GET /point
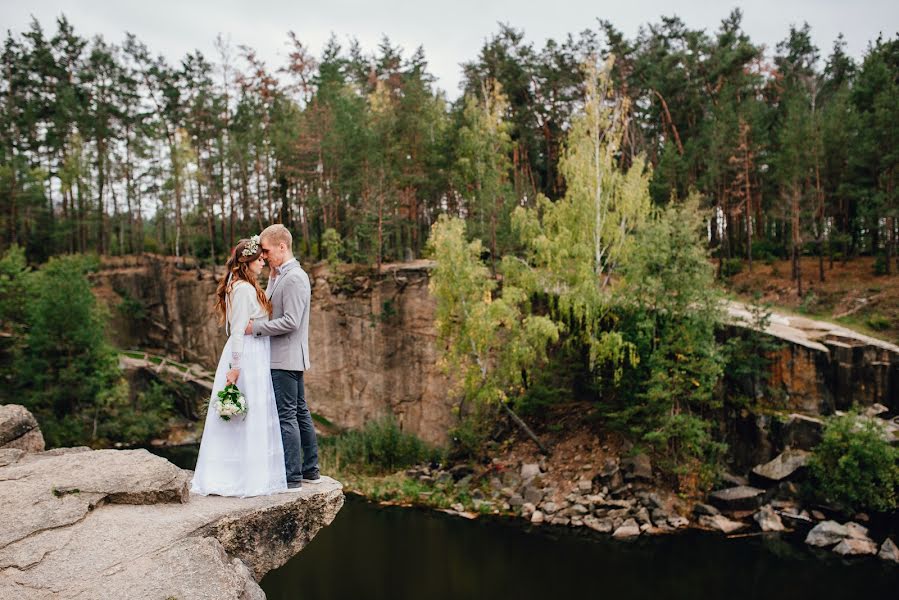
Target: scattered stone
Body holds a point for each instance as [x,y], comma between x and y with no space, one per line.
[742,497]
[789,463]
[645,527]
[600,525]
[818,515]
[579,509]
[443,478]
[637,467]
[511,479]
[537,518]
[613,503]
[826,533]
[659,516]
[678,522]
[529,471]
[459,472]
[516,501]
[863,517]
[527,509]
[585,485]
[733,480]
[768,520]
[855,547]
[642,516]
[495,483]
[557,520]
[464,482]
[889,551]
[705,509]
[875,410]
[577,522]
[550,507]
[857,531]
[532,494]
[477,495]
[628,529]
[719,523]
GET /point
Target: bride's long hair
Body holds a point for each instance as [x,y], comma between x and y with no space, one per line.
[238,269]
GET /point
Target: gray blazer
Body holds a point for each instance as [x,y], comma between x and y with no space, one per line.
[289,326]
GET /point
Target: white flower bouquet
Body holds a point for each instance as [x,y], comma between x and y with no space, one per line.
[231,402]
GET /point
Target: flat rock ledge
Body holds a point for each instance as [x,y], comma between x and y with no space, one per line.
[81,523]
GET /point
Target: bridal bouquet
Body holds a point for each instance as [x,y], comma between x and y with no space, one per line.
[230,402]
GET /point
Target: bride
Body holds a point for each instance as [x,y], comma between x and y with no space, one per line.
[242,456]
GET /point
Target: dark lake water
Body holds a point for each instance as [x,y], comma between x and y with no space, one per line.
[399,553]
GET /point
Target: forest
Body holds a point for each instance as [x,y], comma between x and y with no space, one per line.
[108,148]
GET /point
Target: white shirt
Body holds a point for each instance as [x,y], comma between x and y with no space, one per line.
[242,306]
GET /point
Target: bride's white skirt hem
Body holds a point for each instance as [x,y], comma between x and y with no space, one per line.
[243,457]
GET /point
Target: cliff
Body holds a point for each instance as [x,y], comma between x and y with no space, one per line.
[374,346]
[81,523]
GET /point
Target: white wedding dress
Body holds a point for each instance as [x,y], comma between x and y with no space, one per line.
[244,456]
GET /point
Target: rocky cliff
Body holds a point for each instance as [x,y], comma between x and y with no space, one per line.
[81,523]
[374,344]
[372,336]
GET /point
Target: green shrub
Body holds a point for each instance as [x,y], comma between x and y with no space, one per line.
[379,447]
[855,466]
[731,267]
[878,322]
[880,265]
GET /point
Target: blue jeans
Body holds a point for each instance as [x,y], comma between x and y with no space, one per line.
[296,425]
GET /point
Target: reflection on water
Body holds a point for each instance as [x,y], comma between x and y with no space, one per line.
[396,553]
[376,552]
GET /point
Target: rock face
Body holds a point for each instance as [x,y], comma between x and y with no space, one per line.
[120,524]
[19,429]
[372,338]
[373,342]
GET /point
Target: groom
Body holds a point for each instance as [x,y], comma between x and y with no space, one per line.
[289,290]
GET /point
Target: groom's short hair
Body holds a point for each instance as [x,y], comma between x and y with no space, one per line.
[277,233]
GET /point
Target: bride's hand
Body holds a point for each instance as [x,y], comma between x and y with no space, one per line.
[232,375]
[249,329]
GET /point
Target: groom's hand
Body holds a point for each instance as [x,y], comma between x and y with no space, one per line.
[232,375]
[249,329]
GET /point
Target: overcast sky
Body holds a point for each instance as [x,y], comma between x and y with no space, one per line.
[451,32]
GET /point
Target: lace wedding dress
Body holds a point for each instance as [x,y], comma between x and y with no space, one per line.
[244,456]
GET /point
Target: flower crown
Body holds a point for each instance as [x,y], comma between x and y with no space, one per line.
[252,248]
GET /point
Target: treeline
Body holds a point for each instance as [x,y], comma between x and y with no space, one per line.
[110,148]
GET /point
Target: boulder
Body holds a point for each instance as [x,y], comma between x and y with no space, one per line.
[529,471]
[859,532]
[889,551]
[19,429]
[826,533]
[768,520]
[533,494]
[537,518]
[628,529]
[678,522]
[855,547]
[742,497]
[789,463]
[637,467]
[600,525]
[705,509]
[720,523]
[118,524]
